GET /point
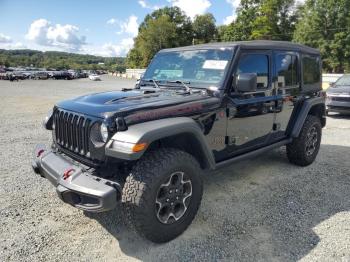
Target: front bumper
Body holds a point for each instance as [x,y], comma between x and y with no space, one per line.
[333,105]
[74,185]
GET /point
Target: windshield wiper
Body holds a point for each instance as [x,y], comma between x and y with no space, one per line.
[184,84]
[155,82]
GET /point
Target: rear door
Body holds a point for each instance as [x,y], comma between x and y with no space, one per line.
[287,85]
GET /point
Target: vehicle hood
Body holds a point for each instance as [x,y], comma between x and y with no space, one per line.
[139,106]
[341,90]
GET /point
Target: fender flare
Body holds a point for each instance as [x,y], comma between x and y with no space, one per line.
[151,131]
[303,113]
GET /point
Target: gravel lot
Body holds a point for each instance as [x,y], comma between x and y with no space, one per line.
[262,209]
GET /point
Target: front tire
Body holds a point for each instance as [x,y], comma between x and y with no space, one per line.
[304,149]
[163,193]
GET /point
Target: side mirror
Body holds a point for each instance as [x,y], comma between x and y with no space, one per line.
[246,82]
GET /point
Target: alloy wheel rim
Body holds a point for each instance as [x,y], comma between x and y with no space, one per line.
[173,198]
[311,141]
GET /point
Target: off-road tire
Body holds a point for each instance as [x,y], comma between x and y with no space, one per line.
[141,189]
[297,150]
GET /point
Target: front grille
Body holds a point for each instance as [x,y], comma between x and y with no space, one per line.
[72,132]
[340,98]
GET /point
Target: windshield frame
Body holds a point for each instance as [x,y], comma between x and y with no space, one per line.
[193,84]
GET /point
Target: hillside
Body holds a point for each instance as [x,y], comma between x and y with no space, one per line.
[59,60]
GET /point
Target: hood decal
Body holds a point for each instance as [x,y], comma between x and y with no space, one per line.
[142,107]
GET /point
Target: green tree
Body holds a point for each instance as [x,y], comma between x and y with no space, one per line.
[183,23]
[164,28]
[204,28]
[241,28]
[275,20]
[262,19]
[325,24]
[160,33]
[57,60]
[134,58]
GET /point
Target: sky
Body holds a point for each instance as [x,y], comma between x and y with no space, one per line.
[105,27]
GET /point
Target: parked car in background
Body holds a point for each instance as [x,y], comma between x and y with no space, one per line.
[338,96]
[62,75]
[17,76]
[82,75]
[94,77]
[28,75]
[3,76]
[40,76]
[51,73]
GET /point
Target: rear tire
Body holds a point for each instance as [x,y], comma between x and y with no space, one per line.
[304,149]
[152,206]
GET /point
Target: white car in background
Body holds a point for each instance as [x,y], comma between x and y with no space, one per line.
[94,77]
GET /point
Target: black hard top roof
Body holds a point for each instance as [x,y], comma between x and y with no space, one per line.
[258,44]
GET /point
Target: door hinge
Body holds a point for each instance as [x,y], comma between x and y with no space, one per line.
[231,111]
[230,140]
[276,126]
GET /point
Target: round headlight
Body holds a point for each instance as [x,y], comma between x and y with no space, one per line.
[48,123]
[104,132]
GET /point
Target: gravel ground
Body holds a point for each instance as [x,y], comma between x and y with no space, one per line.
[262,209]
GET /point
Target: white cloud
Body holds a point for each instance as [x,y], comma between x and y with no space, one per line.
[5,38]
[229,19]
[145,5]
[109,49]
[192,7]
[17,45]
[112,21]
[118,49]
[129,26]
[66,37]
[234,4]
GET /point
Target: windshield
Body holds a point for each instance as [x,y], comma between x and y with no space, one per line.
[199,68]
[343,81]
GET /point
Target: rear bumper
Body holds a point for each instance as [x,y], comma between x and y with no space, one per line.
[74,185]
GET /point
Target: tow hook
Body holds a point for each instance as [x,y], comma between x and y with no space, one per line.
[68,173]
[40,152]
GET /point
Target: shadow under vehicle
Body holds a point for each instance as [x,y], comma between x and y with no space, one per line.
[196,109]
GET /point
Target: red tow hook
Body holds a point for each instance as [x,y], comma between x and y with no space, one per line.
[40,152]
[68,173]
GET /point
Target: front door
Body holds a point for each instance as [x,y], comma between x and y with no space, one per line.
[251,114]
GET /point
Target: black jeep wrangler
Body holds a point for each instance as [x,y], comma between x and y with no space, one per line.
[196,109]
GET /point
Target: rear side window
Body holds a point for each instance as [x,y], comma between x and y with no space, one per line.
[287,70]
[311,70]
[255,63]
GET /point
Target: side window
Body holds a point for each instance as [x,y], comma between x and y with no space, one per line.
[255,63]
[287,70]
[311,70]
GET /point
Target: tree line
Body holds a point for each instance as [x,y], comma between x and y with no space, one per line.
[60,60]
[322,24]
